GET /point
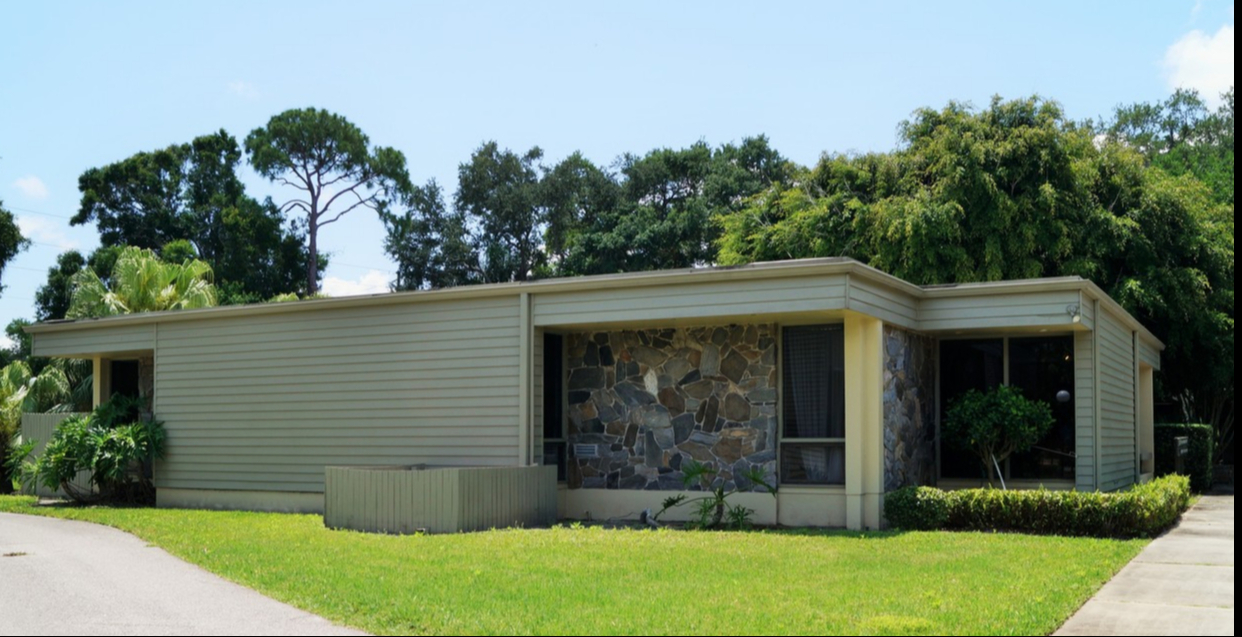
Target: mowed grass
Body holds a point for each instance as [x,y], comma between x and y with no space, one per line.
[636,582]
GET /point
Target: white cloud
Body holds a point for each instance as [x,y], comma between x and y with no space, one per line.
[45,231]
[32,187]
[6,342]
[373,282]
[244,90]
[1202,62]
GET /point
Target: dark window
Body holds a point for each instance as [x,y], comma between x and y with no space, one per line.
[813,397]
[125,378]
[966,365]
[1043,368]
[553,403]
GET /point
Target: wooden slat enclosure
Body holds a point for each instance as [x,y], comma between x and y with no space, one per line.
[406,499]
[40,427]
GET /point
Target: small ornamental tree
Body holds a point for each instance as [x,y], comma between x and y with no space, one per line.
[996,424]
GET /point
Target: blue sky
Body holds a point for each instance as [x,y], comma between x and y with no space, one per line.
[83,84]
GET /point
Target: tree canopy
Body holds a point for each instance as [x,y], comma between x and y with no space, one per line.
[332,162]
[1182,136]
[11,240]
[430,243]
[191,193]
[515,218]
[141,282]
[52,298]
[1017,190]
[661,215]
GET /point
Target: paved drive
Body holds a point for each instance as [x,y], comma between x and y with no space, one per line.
[59,577]
[1181,584]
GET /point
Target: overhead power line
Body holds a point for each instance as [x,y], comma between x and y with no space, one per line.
[38,212]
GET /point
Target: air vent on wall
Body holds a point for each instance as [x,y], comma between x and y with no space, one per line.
[586,451]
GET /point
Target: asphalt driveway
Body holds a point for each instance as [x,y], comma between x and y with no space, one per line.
[61,577]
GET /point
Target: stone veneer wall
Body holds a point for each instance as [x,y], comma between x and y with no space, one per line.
[648,401]
[146,380]
[909,409]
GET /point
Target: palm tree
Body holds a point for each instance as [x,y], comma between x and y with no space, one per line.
[22,391]
[141,282]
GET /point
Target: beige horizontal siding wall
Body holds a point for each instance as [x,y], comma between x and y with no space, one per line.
[1004,311]
[894,307]
[1118,426]
[1086,308]
[1084,411]
[90,341]
[1148,354]
[699,302]
[40,428]
[266,402]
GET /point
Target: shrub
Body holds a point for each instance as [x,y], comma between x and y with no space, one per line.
[115,452]
[996,424]
[1198,461]
[917,508]
[712,511]
[1142,511]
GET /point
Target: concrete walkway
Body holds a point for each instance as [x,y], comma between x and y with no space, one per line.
[60,577]
[1181,584]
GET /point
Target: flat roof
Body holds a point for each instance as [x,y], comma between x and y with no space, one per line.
[763,270]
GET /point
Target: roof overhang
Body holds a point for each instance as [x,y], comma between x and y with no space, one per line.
[755,271]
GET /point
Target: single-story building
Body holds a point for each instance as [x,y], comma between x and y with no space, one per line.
[828,375]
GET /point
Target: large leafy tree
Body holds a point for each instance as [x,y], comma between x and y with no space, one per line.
[11,240]
[578,196]
[662,222]
[334,165]
[499,191]
[1017,190]
[668,199]
[141,282]
[430,243]
[19,342]
[513,219]
[191,192]
[52,298]
[1182,136]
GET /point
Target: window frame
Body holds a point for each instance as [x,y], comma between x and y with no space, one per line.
[782,441]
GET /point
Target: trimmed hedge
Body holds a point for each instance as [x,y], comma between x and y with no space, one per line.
[1142,511]
[917,508]
[1198,461]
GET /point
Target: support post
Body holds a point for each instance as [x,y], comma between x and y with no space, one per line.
[864,426]
[101,380]
[526,386]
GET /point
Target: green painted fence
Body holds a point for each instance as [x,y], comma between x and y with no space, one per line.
[438,500]
[40,427]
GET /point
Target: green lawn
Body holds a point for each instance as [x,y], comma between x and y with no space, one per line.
[631,582]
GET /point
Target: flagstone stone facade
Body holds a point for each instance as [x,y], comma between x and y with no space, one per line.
[644,403]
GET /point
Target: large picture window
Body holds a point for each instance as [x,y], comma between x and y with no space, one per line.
[977,364]
[1043,368]
[812,447]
